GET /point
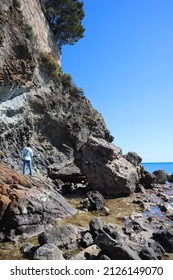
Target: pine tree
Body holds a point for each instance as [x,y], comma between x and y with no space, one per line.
[65,20]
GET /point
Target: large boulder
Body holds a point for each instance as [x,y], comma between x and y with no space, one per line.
[105,168]
[148,180]
[110,242]
[48,252]
[165,238]
[133,157]
[66,172]
[27,206]
[161,176]
[64,237]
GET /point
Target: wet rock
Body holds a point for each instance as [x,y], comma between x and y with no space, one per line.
[163,196]
[105,168]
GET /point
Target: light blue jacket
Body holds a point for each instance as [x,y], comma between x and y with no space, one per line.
[27,153]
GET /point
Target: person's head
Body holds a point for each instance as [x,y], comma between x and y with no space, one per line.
[28,145]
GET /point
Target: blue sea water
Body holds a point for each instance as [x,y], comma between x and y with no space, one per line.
[152,166]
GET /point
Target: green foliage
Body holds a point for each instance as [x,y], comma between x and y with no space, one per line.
[29,31]
[65,20]
[16,4]
[67,82]
[51,63]
[55,71]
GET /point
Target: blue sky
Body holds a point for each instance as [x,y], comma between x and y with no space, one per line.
[124,64]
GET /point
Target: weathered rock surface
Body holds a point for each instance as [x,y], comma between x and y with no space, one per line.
[67,172]
[105,168]
[133,157]
[165,238]
[63,237]
[48,252]
[49,113]
[148,180]
[27,206]
[161,176]
[116,245]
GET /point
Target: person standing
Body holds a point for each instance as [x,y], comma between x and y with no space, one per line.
[27,155]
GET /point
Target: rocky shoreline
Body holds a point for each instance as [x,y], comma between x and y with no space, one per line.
[128,213]
[43,208]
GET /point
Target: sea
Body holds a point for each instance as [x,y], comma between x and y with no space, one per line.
[153,166]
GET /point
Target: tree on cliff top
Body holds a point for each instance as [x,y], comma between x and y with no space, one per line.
[65,20]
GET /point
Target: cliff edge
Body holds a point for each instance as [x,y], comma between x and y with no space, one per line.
[51,113]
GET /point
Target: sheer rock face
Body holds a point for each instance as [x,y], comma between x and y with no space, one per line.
[28,206]
[43,37]
[33,106]
[105,168]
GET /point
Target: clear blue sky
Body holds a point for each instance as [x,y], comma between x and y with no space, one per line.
[125,66]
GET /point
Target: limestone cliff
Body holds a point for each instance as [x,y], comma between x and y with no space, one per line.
[50,113]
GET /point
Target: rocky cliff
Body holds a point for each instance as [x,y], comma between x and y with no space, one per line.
[50,113]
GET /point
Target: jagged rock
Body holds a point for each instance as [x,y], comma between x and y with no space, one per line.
[165,238]
[148,180]
[130,226]
[161,176]
[105,168]
[67,172]
[116,250]
[87,239]
[110,242]
[133,158]
[97,201]
[89,253]
[95,226]
[152,251]
[64,237]
[147,254]
[26,206]
[140,188]
[170,178]
[48,252]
